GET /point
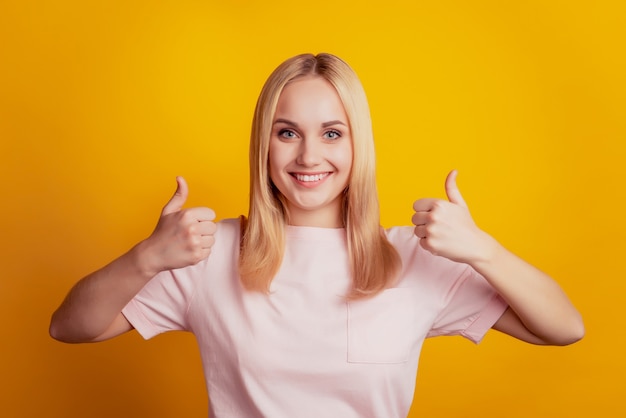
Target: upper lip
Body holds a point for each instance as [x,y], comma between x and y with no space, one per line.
[310,173]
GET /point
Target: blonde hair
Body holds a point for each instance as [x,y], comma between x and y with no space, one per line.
[374,261]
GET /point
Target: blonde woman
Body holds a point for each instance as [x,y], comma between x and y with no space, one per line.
[307,307]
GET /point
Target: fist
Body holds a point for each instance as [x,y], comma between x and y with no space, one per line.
[182,237]
[446,228]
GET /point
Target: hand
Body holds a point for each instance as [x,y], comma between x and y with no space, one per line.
[182,237]
[446,228]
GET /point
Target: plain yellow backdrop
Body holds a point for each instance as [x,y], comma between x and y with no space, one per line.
[102,104]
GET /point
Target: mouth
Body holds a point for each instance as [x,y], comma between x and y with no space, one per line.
[310,178]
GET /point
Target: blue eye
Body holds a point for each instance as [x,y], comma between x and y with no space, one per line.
[286,133]
[332,135]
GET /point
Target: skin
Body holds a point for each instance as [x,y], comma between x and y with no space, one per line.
[92,310]
[311,137]
[311,141]
[539,311]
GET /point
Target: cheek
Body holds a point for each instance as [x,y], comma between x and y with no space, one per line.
[275,162]
[344,158]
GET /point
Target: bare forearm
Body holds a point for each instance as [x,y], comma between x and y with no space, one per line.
[94,302]
[539,311]
[538,301]
[92,309]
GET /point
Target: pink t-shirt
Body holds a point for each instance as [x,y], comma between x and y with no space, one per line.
[302,350]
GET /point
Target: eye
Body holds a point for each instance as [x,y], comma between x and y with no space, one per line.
[332,135]
[287,134]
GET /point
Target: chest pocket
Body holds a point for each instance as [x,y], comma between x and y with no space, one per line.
[383,329]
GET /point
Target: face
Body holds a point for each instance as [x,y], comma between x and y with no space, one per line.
[310,155]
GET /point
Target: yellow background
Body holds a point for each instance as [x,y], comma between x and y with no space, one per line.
[102,104]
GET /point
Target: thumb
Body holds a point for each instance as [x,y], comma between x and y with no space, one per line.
[178,200]
[452,190]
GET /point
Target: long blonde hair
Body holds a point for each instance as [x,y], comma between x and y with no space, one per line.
[374,261]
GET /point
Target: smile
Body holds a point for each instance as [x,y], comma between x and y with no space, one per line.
[310,177]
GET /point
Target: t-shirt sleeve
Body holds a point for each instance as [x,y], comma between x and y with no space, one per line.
[163,303]
[461,301]
[471,308]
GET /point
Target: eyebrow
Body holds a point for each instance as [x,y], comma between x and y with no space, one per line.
[295,125]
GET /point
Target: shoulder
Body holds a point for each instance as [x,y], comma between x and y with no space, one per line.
[418,261]
[228,229]
[227,235]
[406,243]
[229,226]
[401,235]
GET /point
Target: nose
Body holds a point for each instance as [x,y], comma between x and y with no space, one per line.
[309,153]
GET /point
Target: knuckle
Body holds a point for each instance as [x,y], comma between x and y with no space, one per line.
[186,215]
[439,204]
[197,256]
[192,230]
[194,242]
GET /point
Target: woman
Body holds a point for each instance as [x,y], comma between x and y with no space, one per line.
[308,307]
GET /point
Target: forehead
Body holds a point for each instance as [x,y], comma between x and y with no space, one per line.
[311,96]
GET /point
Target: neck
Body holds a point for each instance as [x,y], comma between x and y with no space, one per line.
[328,217]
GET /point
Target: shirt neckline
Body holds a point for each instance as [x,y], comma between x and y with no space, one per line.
[315,233]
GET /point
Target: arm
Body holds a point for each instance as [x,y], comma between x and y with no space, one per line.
[539,311]
[92,309]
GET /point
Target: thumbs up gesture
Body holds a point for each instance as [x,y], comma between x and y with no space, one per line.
[446,228]
[182,237]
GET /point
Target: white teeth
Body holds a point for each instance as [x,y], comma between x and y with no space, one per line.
[313,177]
